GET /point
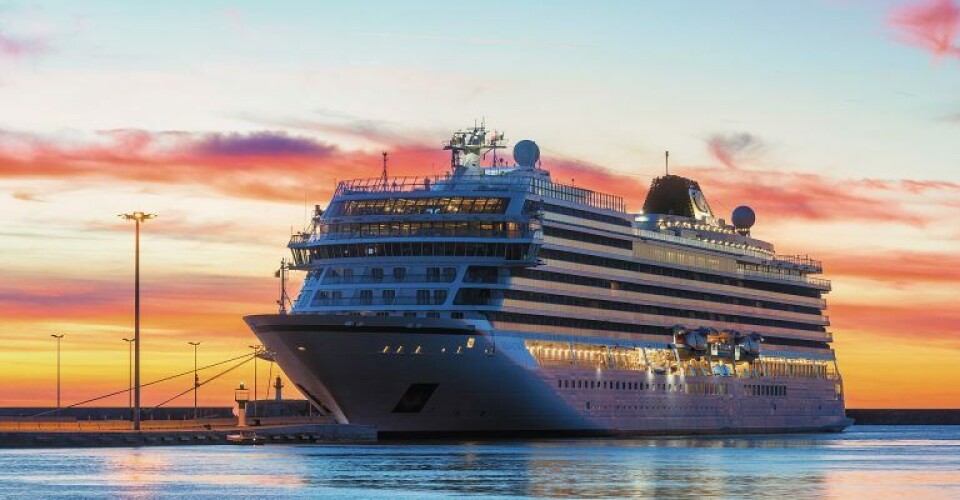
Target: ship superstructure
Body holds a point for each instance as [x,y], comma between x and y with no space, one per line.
[495,300]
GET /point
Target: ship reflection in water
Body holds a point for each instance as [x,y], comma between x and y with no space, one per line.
[869,462]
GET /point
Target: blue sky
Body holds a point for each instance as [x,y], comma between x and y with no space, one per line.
[824,84]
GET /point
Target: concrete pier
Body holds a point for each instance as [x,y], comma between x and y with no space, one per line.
[305,433]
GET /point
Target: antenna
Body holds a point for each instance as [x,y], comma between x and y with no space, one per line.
[383,176]
[666,161]
[284,298]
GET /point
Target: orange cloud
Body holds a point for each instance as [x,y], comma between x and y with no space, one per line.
[25,196]
[931,323]
[167,296]
[901,267]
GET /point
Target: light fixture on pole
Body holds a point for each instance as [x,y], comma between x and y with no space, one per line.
[257,349]
[196,378]
[138,217]
[58,337]
[129,373]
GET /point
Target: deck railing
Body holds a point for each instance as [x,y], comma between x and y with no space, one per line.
[459,183]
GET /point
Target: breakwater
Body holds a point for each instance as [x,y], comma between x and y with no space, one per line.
[904,417]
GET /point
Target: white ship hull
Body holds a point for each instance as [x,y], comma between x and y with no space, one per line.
[492,386]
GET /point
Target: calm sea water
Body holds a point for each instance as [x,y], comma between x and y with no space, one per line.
[865,462]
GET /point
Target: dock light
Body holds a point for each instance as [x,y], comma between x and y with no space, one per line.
[241,395]
[138,218]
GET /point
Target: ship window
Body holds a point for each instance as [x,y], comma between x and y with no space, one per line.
[409,314]
[439,296]
[449,274]
[456,315]
[389,296]
[320,298]
[481,274]
[366,297]
[376,273]
[433,274]
[423,297]
[348,275]
[399,273]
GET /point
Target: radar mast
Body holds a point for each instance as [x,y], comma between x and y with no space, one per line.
[467,146]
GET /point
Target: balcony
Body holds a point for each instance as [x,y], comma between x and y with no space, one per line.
[388,278]
[802,262]
[300,239]
[377,302]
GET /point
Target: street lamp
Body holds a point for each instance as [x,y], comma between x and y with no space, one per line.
[256,353]
[196,378]
[129,373]
[138,217]
[58,337]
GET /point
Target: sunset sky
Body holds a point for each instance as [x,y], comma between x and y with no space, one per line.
[838,121]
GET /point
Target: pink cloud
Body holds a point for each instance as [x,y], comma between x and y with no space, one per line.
[932,25]
[730,149]
[267,165]
[18,47]
[273,166]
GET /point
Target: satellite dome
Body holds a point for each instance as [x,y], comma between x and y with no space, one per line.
[526,153]
[743,217]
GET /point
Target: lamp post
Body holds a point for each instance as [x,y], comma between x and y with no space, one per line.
[256,354]
[58,337]
[138,218]
[129,373]
[196,378]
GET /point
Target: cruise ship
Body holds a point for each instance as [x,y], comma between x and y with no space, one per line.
[493,300]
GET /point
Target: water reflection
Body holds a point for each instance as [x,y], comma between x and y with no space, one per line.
[868,462]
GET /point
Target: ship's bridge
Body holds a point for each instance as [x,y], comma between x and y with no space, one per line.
[366,215]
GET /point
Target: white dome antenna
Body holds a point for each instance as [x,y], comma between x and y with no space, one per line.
[526,153]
